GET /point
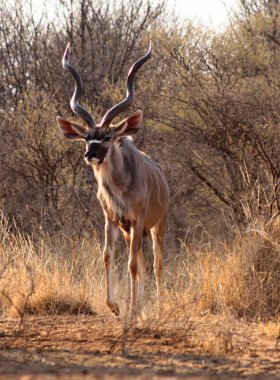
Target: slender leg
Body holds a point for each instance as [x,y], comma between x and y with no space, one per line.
[141,275]
[135,245]
[111,235]
[142,269]
[158,234]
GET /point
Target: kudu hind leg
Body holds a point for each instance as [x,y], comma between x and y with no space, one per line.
[141,274]
[142,269]
[111,235]
[136,269]
[158,236]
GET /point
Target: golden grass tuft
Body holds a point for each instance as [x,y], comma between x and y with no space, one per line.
[241,278]
[46,278]
[61,276]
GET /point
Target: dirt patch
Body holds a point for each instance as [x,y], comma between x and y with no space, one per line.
[99,347]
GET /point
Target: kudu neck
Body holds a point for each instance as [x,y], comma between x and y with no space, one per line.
[113,168]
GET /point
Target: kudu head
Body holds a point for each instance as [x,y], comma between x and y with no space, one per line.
[100,137]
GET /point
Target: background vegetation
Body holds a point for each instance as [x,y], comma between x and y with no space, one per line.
[211,105]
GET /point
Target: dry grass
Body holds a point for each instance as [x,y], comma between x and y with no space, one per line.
[49,277]
[56,276]
[241,278]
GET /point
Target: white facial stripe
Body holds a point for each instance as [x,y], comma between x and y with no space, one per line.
[94,159]
[94,142]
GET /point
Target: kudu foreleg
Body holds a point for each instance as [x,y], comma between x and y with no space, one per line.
[111,235]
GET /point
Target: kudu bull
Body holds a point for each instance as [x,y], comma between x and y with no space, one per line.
[132,189]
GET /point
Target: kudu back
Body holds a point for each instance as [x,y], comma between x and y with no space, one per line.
[132,189]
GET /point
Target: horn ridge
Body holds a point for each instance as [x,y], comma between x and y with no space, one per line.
[78,91]
[130,94]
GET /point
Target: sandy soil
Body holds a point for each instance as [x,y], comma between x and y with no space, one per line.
[99,347]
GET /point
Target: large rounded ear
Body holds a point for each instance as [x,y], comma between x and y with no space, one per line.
[71,130]
[128,126]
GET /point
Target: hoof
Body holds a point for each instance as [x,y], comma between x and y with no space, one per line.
[115,309]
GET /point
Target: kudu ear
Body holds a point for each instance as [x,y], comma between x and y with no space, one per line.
[71,130]
[129,126]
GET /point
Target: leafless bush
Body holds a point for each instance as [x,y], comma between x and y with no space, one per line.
[45,187]
[210,103]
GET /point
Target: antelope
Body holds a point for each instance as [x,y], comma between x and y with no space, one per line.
[132,189]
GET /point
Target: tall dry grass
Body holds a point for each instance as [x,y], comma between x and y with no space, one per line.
[59,275]
[241,278]
[50,276]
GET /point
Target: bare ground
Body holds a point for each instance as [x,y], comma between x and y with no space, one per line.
[99,347]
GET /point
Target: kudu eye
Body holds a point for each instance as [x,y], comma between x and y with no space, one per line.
[107,138]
